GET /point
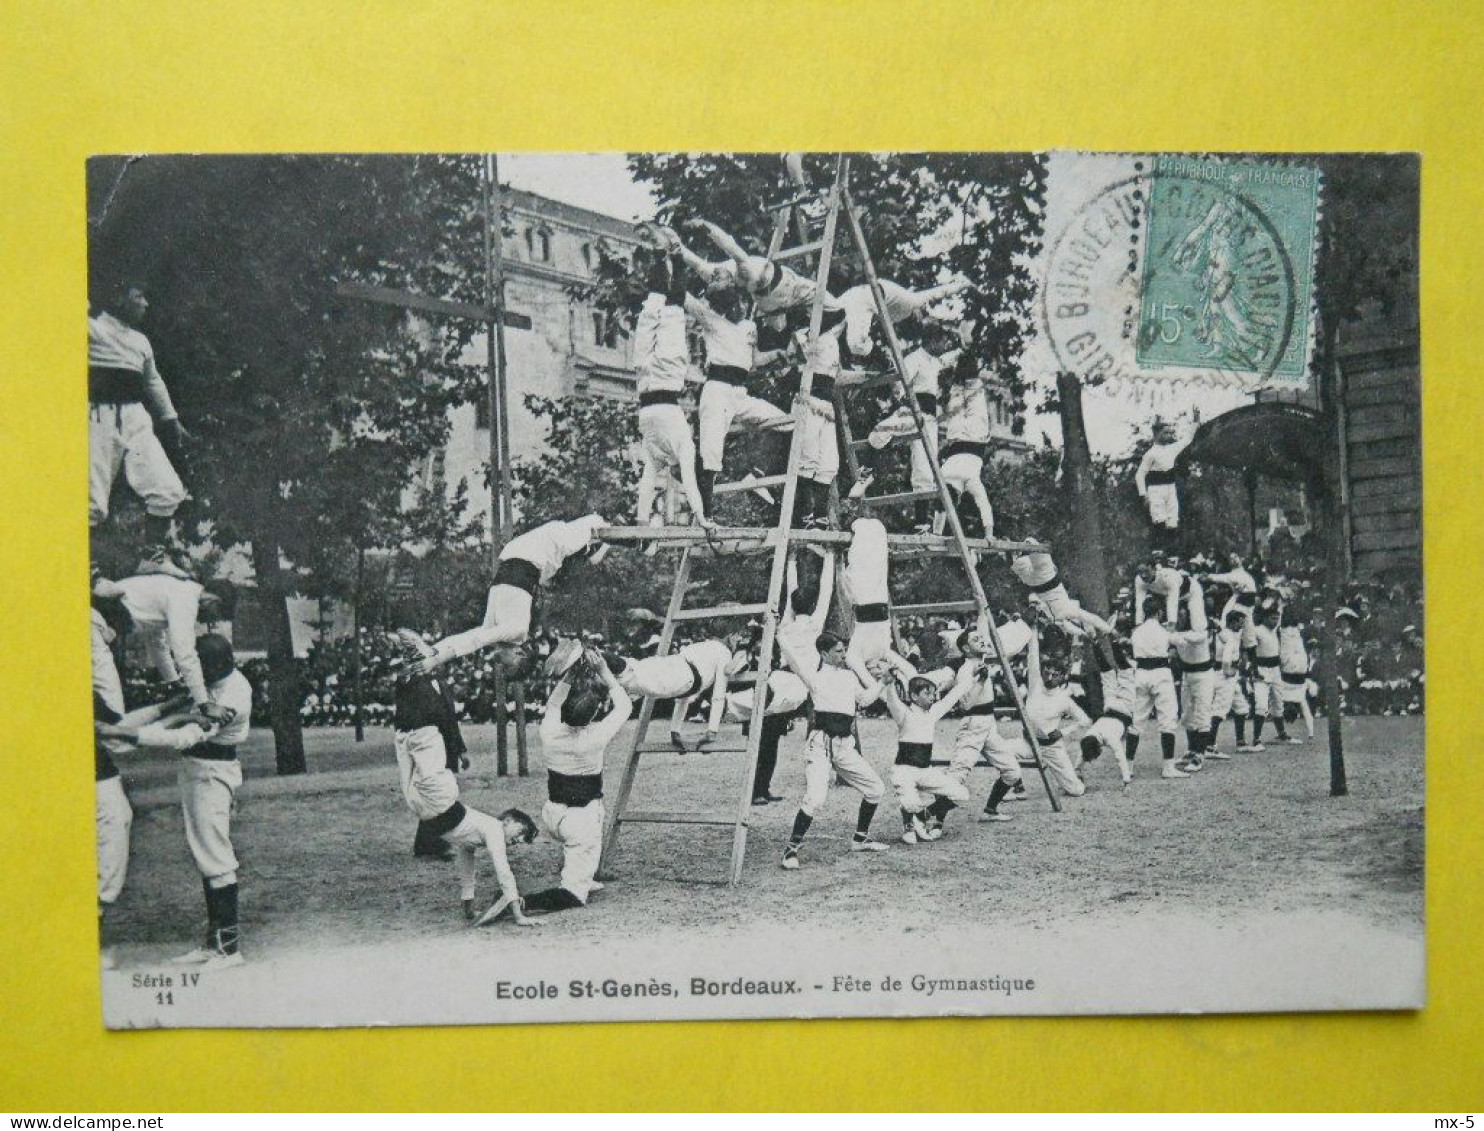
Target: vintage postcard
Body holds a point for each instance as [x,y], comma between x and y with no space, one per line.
[605,587]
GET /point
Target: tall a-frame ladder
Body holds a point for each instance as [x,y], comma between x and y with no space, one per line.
[778,542]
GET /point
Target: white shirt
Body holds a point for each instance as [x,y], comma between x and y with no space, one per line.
[1192,648]
[231,691]
[727,342]
[112,344]
[1239,580]
[799,632]
[164,609]
[791,290]
[1033,569]
[711,658]
[548,547]
[579,750]
[838,691]
[106,682]
[1118,691]
[913,723]
[966,415]
[1267,642]
[1151,641]
[1292,655]
[825,360]
[924,370]
[1047,711]
[866,563]
[1228,650]
[1161,457]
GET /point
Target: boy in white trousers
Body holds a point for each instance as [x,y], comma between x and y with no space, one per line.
[920,786]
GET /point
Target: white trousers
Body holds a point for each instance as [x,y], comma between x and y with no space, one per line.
[507,620]
[123,436]
[1198,699]
[666,444]
[207,788]
[964,472]
[980,734]
[1267,694]
[114,818]
[428,785]
[1163,501]
[825,757]
[917,787]
[819,451]
[870,641]
[723,405]
[1154,697]
[579,828]
[1058,764]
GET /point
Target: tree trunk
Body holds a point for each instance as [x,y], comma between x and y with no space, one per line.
[1085,564]
[283,672]
[1328,497]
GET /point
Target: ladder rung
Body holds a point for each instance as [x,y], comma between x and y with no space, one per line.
[668,817]
[750,484]
[929,607]
[691,748]
[863,379]
[706,612]
[1028,763]
[899,497]
[802,249]
[802,198]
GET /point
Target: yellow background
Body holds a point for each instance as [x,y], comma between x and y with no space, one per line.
[83,78]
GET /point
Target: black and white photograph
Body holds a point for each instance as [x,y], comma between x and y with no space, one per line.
[544,587]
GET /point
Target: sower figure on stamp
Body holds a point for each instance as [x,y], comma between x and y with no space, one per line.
[210,776]
[429,750]
[580,723]
[832,748]
[921,786]
[732,357]
[1157,480]
[527,562]
[127,403]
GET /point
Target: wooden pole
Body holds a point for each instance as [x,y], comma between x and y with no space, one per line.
[494,342]
[355,612]
[1328,493]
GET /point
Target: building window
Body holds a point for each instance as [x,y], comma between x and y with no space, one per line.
[587,256]
[605,330]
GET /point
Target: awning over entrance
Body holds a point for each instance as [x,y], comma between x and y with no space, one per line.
[1282,441]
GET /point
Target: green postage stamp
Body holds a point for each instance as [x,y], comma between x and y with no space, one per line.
[1226,275]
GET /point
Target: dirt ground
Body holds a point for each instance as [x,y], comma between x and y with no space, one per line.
[327,864]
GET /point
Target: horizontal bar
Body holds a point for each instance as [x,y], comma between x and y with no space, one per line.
[864,379]
[667,817]
[801,250]
[768,535]
[410,300]
[802,198]
[750,484]
[667,748]
[929,607]
[707,612]
[900,497]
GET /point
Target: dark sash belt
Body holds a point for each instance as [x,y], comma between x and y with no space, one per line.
[1151,664]
[518,574]
[445,822]
[1296,679]
[1046,586]
[107,385]
[872,614]
[917,754]
[1197,665]
[727,375]
[696,682]
[1267,661]
[836,724]
[1161,479]
[1126,720]
[927,404]
[1247,599]
[964,448]
[574,790]
[211,752]
[664,396]
[823,387]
